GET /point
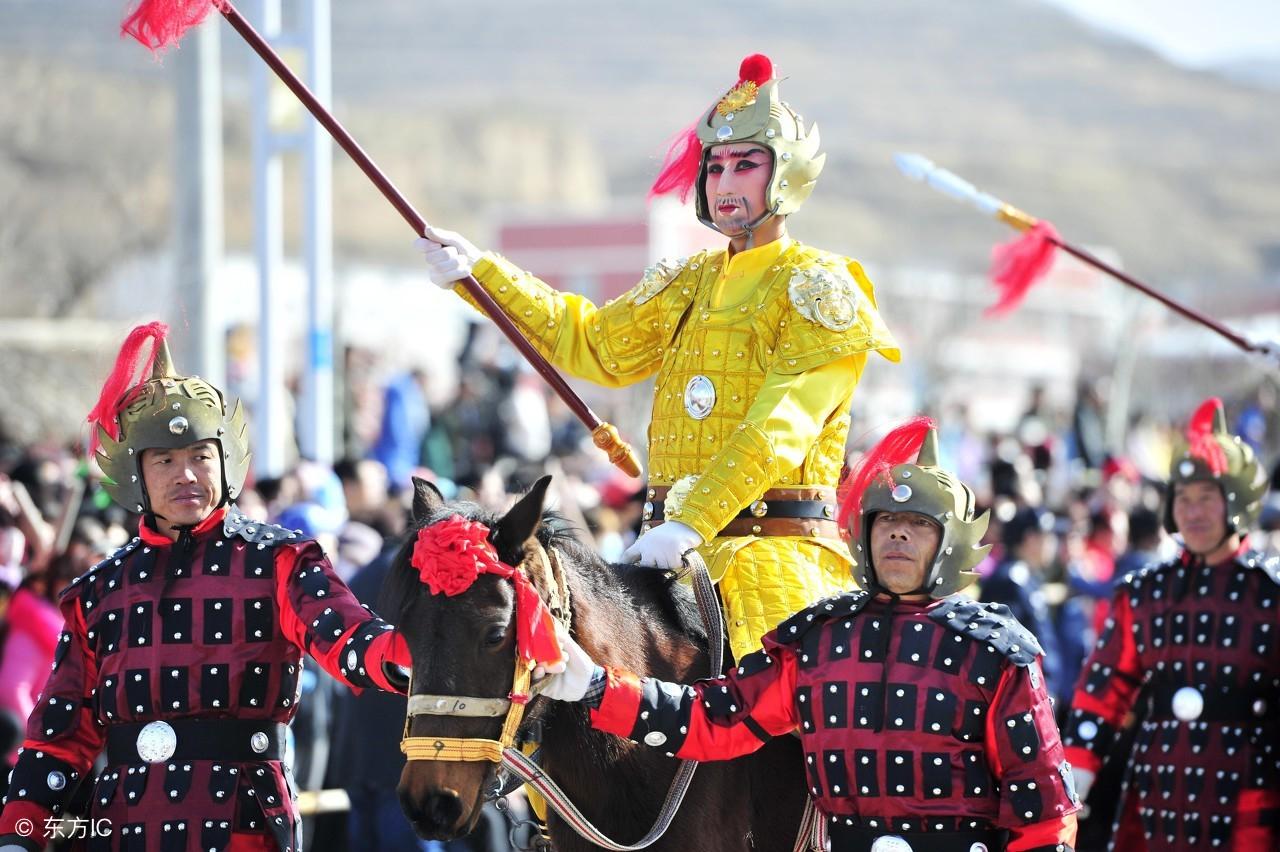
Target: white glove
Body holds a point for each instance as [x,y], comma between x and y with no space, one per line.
[1084,781]
[1270,349]
[449,256]
[570,681]
[662,546]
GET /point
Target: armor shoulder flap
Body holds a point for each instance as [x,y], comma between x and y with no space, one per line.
[992,623]
[107,566]
[1147,574]
[1267,565]
[793,630]
[657,277]
[833,313]
[237,524]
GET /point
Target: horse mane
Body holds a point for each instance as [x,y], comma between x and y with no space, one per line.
[625,586]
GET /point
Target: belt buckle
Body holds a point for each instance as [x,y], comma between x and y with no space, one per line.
[157,741]
[259,742]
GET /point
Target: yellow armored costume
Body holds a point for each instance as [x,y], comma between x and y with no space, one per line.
[756,350]
[756,357]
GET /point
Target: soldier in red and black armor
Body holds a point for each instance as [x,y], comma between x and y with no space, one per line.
[923,714]
[1191,645]
[182,651]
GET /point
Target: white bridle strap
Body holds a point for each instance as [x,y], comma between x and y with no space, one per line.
[454,705]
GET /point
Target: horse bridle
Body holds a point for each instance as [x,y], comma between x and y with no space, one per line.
[543,568]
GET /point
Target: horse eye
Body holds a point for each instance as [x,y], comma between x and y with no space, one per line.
[495,636]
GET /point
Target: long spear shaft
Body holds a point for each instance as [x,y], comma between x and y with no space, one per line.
[949,183]
[604,435]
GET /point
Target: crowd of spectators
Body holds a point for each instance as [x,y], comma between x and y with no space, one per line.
[1070,515]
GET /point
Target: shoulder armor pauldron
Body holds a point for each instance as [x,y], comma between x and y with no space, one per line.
[825,293]
[1268,565]
[655,280]
[839,606]
[991,623]
[111,561]
[1136,579]
[237,524]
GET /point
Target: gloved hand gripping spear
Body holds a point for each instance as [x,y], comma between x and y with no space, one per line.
[160,23]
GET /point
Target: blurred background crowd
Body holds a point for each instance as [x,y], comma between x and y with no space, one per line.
[1071,514]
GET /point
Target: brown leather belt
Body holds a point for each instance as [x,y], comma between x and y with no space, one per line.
[804,511]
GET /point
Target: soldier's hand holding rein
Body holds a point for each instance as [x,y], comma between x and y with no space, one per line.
[568,681]
[450,257]
[663,546]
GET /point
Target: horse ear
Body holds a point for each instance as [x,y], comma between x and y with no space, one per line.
[519,524]
[427,500]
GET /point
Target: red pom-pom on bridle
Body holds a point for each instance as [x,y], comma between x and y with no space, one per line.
[450,556]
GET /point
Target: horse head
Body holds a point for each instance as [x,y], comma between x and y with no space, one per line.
[464,653]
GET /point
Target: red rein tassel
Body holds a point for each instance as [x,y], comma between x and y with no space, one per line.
[158,24]
[1201,439]
[122,379]
[1016,266]
[898,447]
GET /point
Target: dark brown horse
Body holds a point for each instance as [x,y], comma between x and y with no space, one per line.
[464,646]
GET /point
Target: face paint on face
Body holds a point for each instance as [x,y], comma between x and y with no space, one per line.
[736,183]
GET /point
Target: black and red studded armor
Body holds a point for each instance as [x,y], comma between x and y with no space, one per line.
[183,659]
[1193,649]
[926,719]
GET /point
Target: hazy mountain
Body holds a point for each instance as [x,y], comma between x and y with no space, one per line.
[487,103]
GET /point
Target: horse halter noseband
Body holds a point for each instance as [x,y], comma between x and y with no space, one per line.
[543,568]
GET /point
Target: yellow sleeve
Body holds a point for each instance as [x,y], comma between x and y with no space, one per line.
[614,345]
[780,428]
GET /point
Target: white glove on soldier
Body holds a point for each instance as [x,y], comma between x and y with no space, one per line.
[662,546]
[1084,781]
[449,256]
[570,683]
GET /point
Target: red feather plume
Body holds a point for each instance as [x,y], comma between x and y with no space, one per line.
[1201,438]
[898,447]
[122,379]
[157,24]
[1017,265]
[681,166]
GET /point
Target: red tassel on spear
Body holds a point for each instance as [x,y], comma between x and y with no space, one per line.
[1018,265]
[158,24]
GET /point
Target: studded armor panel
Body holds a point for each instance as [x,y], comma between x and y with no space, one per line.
[908,723]
[1199,643]
[158,632]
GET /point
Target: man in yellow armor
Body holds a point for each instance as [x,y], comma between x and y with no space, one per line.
[757,349]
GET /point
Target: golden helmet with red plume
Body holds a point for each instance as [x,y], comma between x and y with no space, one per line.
[1209,453]
[163,411]
[901,474]
[750,112]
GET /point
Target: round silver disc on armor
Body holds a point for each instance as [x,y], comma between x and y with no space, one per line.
[157,741]
[699,397]
[259,742]
[1188,704]
[890,843]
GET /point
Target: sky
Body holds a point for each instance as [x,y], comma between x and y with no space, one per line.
[1195,33]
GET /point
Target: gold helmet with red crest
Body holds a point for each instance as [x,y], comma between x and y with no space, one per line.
[1209,453]
[750,112]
